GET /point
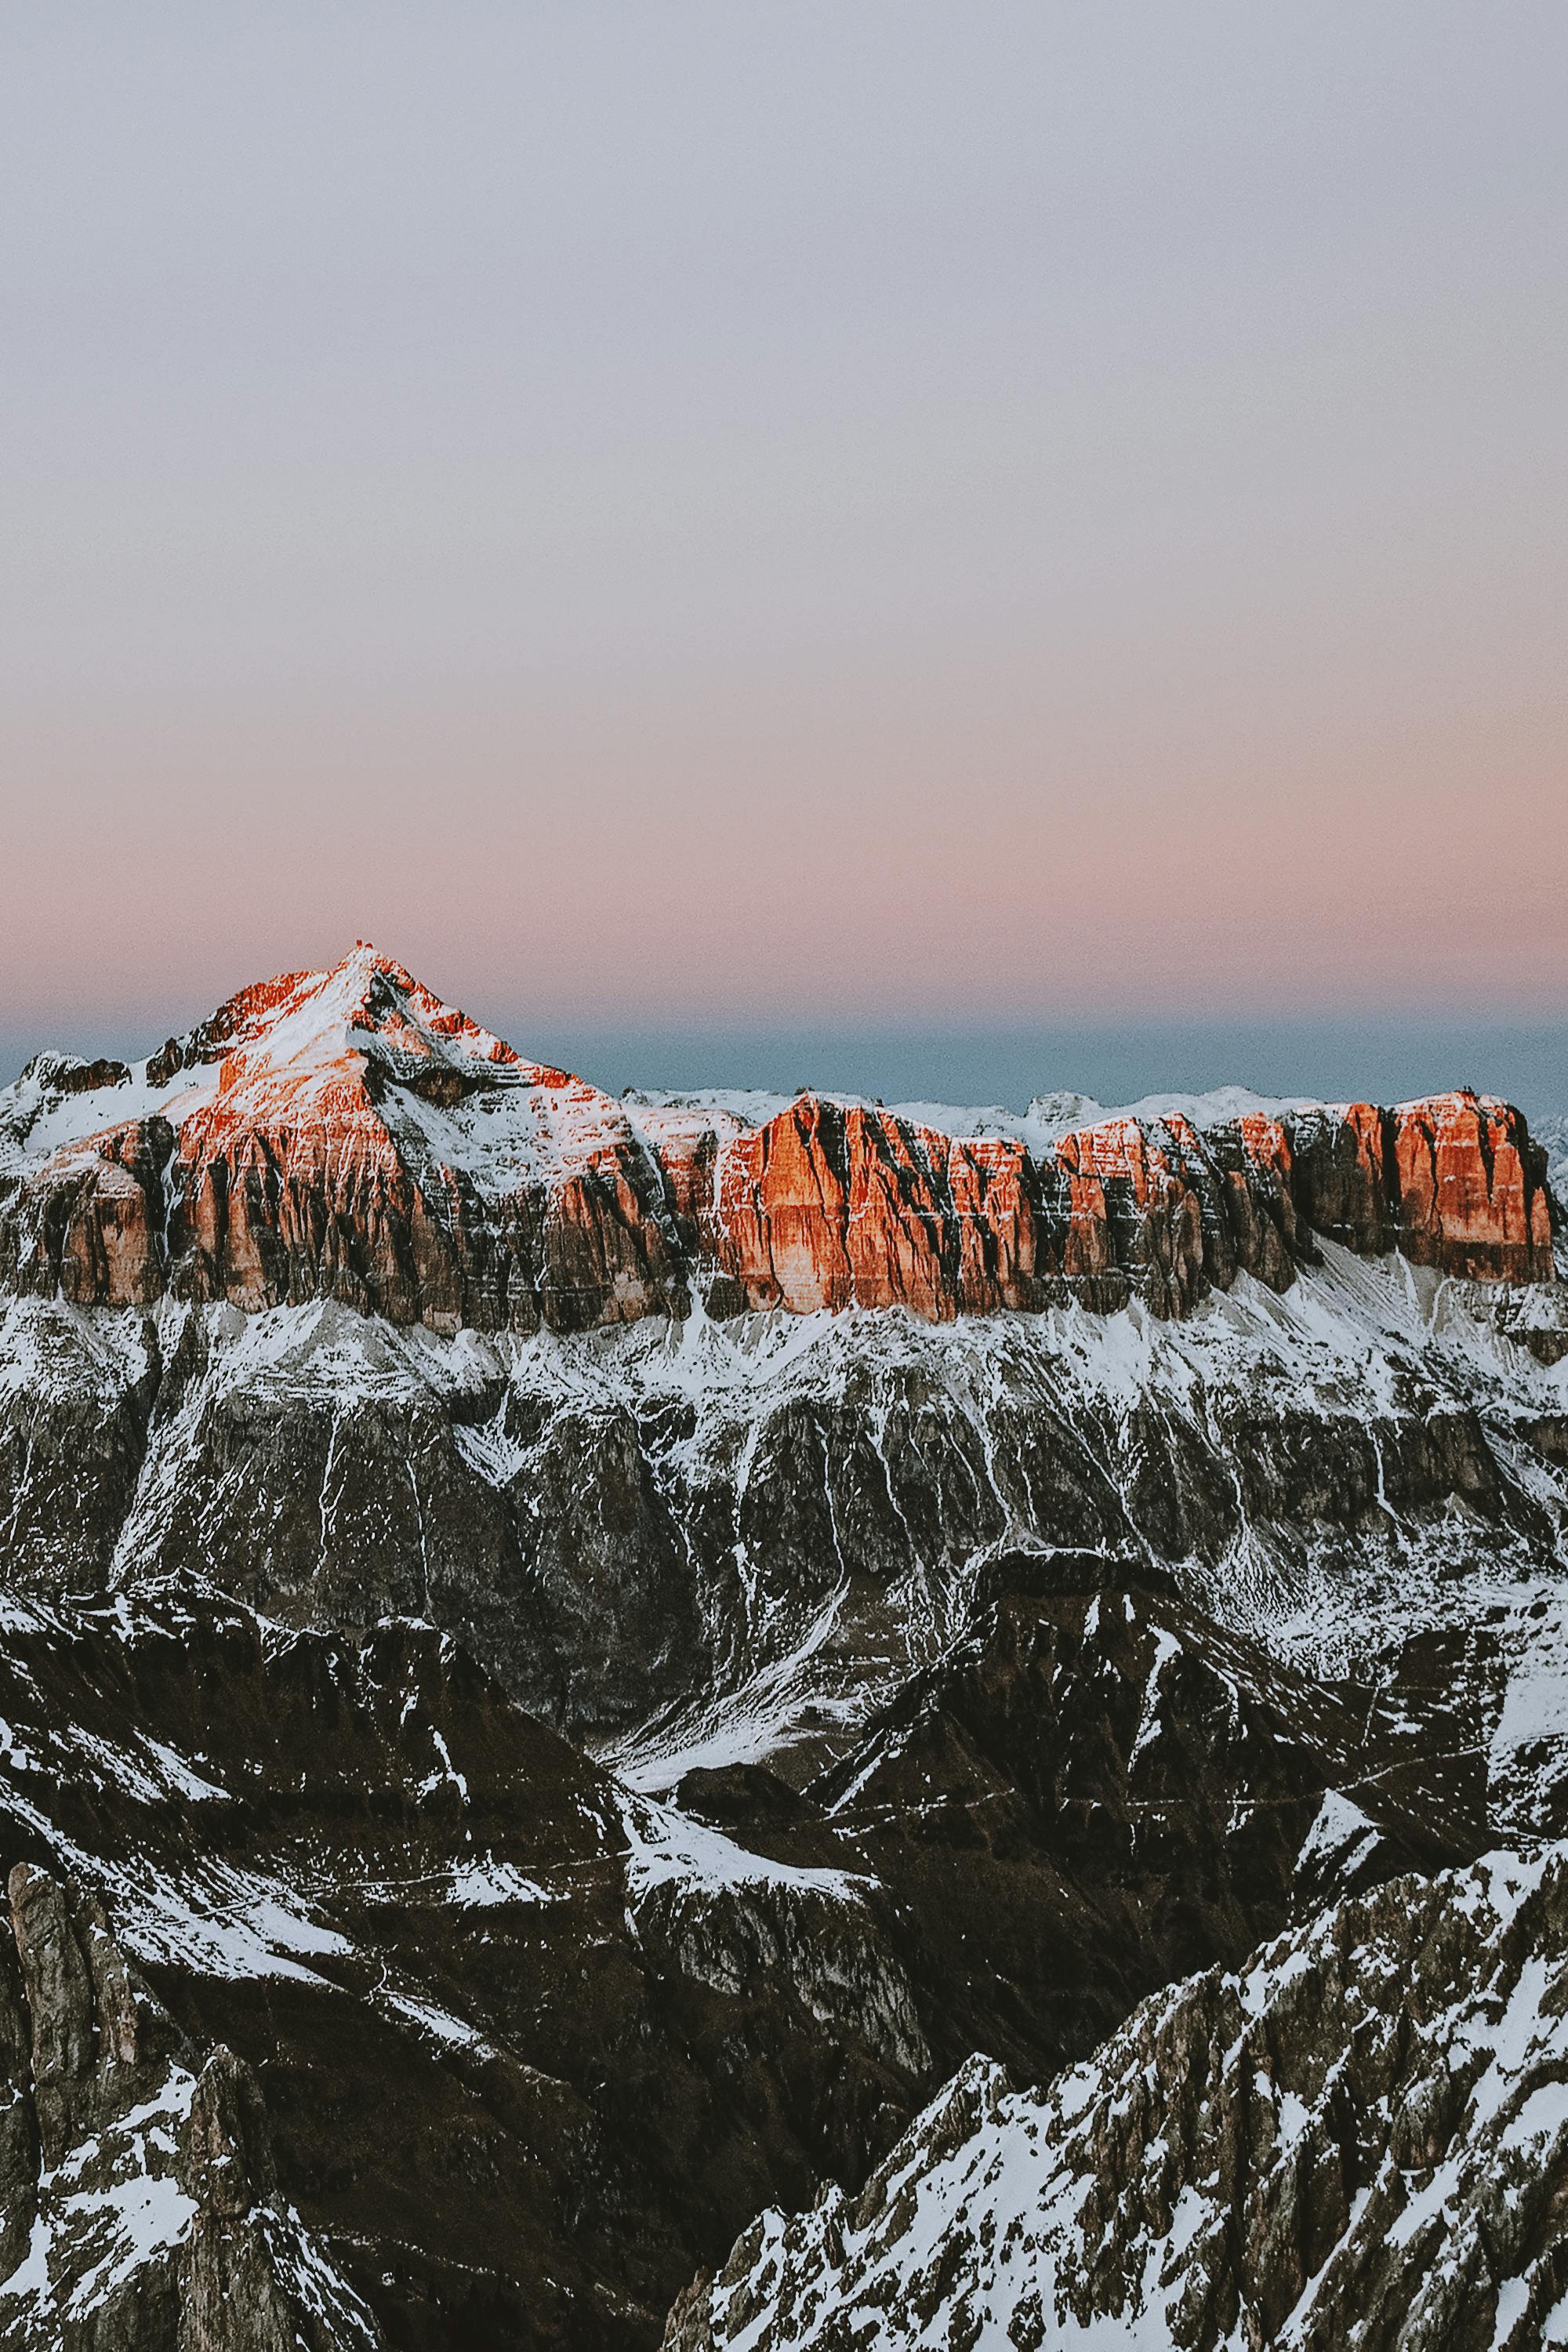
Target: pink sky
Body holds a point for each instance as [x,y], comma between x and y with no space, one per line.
[853,869]
[905,514]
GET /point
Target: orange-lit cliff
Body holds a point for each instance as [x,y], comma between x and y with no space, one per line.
[345,1134]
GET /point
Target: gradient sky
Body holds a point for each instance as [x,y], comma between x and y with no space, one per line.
[845,516]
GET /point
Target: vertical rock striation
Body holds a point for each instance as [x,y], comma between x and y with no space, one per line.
[346,1135]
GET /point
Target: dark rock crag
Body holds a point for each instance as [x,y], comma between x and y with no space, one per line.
[139,2203]
[1357,2138]
[1124,1792]
[531,2047]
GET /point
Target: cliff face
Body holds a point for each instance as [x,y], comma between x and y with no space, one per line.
[531,2047]
[1454,1182]
[830,1206]
[826,1206]
[139,2200]
[346,1135]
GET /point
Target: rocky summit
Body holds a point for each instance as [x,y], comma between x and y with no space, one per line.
[345,1135]
[731,1720]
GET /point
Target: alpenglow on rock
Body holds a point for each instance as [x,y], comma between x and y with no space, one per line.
[586,1655]
[344,1134]
[337,1305]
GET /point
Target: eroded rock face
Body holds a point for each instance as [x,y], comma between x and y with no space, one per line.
[1472,1197]
[1456,1182]
[346,1135]
[340,1135]
[139,2203]
[531,2047]
[1359,2137]
[828,1205]
[732,1516]
[1122,1792]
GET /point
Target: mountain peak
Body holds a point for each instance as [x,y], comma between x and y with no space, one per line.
[301,1031]
[347,1132]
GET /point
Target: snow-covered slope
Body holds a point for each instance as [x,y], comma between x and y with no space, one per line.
[992,1566]
[1360,2138]
[139,2200]
[1553,1136]
[712,1539]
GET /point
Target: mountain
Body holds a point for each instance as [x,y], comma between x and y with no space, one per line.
[586,1655]
[527,2043]
[346,1135]
[1360,2138]
[407,1325]
[141,2201]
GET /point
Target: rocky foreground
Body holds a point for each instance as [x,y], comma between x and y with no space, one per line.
[139,2200]
[531,2046]
[1361,2139]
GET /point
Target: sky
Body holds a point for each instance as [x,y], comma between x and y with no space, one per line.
[1029,535]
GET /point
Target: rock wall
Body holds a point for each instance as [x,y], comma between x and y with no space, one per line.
[345,1135]
[824,1207]
[1358,2138]
[139,2202]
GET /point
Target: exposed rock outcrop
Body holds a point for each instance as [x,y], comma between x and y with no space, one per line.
[1361,2137]
[1122,1792]
[139,2202]
[1455,1182]
[531,2047]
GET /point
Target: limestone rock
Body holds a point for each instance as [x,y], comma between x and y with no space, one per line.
[138,2206]
[346,1135]
[1100,1789]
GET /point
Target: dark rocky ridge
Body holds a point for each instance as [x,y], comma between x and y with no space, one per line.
[1124,1793]
[1002,1660]
[524,2063]
[530,2050]
[139,2203]
[1358,2139]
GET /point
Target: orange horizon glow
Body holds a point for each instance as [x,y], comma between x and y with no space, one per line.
[821,519]
[830,892]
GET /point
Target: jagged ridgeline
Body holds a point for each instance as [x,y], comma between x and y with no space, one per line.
[346,1135]
[1359,2139]
[567,1662]
[339,1303]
